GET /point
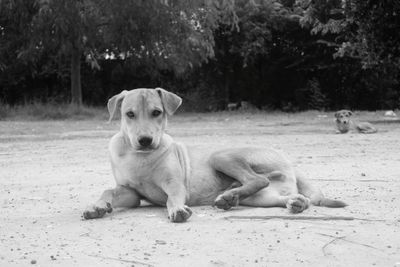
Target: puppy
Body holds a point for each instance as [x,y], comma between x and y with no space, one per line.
[344,123]
[149,165]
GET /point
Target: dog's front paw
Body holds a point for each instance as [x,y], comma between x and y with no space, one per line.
[97,210]
[226,200]
[180,214]
[297,203]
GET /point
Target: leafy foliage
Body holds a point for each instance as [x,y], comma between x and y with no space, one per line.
[171,35]
[364,32]
[272,53]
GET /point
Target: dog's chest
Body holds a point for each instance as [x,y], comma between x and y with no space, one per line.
[138,174]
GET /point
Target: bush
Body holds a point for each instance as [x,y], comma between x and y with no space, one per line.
[201,98]
[311,97]
[50,111]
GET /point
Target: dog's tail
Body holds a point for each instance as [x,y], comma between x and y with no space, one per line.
[315,195]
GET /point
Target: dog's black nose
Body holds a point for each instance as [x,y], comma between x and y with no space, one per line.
[145,141]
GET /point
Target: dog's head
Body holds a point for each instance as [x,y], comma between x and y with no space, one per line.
[343,120]
[343,116]
[144,115]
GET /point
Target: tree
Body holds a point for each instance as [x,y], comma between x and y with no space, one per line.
[49,31]
[363,32]
[360,29]
[248,45]
[14,18]
[168,34]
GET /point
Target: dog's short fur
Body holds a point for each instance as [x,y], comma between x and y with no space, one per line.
[344,123]
[148,164]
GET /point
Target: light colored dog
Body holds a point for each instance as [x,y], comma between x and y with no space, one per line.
[344,123]
[147,164]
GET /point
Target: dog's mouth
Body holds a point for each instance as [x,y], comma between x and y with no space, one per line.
[146,149]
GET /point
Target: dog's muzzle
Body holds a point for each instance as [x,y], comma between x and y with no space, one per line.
[145,143]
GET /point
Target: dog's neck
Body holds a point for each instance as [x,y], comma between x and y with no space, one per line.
[165,143]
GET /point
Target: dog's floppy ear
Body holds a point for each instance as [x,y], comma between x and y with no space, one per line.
[114,104]
[170,101]
[349,113]
[337,114]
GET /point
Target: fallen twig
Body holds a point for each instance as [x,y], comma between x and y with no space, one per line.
[331,242]
[328,180]
[373,180]
[298,217]
[349,241]
[122,260]
[360,180]
[291,217]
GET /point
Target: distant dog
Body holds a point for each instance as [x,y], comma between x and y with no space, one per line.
[344,123]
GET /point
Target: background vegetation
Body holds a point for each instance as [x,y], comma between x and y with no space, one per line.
[288,54]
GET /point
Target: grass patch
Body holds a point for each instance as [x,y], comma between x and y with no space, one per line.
[51,111]
[54,111]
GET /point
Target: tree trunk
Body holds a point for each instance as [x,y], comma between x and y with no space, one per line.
[76,90]
[226,87]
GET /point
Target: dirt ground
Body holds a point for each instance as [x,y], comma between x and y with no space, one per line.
[51,170]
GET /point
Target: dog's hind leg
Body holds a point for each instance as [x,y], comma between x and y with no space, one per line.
[119,197]
[236,166]
[282,192]
[269,197]
[315,195]
[366,128]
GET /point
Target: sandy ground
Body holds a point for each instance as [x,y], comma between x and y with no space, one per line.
[50,171]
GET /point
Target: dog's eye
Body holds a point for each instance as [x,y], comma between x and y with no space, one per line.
[130,114]
[156,113]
